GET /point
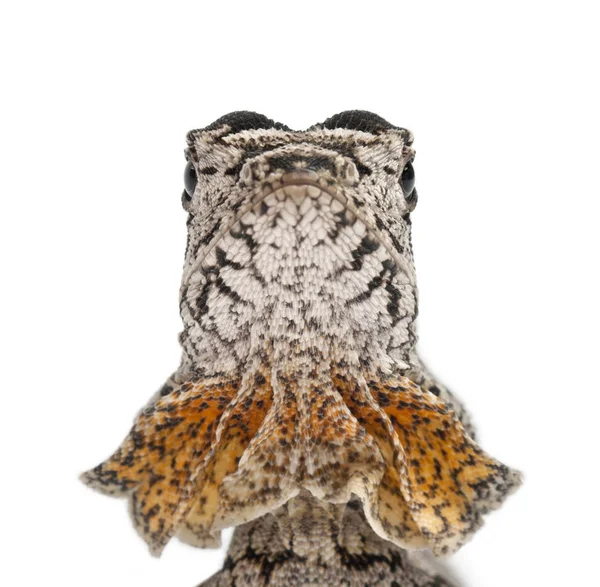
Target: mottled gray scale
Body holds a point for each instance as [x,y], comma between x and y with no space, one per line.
[306,257]
[308,543]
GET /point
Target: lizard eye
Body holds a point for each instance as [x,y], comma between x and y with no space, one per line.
[407,180]
[190,179]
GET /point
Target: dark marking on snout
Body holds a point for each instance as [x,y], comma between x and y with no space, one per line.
[293,162]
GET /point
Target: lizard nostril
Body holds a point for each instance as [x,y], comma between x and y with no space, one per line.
[351,175]
[246,174]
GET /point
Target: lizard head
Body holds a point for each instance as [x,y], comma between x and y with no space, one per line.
[317,219]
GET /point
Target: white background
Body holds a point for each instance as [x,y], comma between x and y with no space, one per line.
[96,99]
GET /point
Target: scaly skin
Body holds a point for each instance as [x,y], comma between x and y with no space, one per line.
[300,411]
[308,542]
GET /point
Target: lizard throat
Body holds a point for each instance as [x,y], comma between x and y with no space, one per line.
[299,273]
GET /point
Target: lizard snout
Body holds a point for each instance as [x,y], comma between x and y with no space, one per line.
[300,165]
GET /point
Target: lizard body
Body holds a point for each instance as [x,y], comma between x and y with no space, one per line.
[300,411]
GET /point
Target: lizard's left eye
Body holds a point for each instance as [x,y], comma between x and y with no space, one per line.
[407,180]
[190,179]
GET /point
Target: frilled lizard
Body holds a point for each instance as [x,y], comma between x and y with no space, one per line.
[301,412]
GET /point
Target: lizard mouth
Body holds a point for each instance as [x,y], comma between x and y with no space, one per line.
[301,184]
[300,193]
[303,187]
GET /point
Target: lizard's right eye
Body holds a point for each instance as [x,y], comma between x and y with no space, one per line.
[190,179]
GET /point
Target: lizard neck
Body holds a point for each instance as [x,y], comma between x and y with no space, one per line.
[309,542]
